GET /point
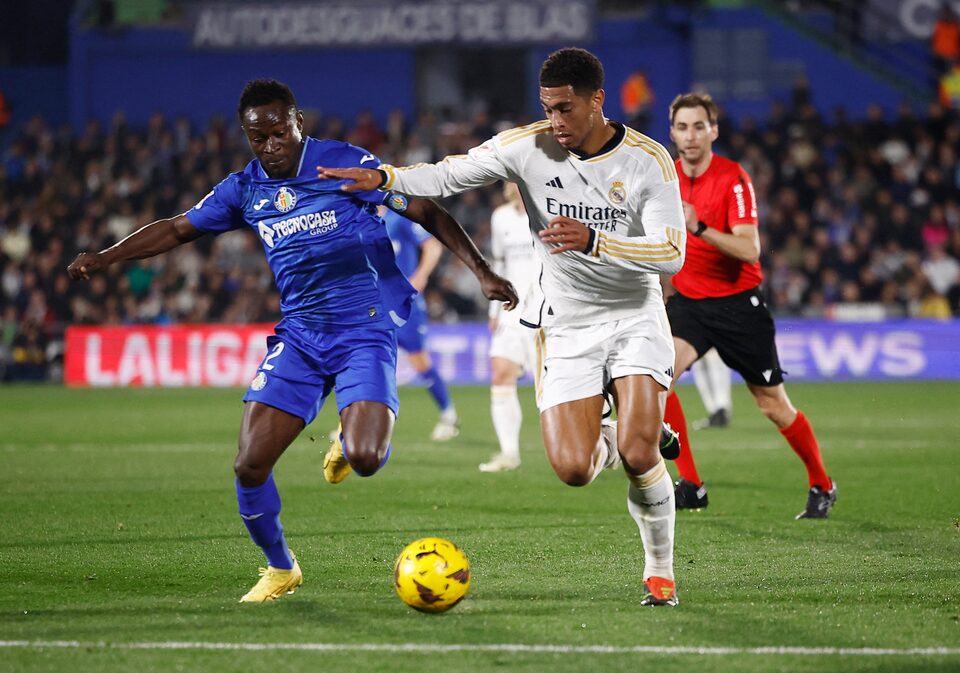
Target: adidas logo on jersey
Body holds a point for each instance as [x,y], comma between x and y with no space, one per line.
[555,183]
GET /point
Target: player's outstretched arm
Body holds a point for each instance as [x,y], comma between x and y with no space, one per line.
[357,179]
[457,173]
[448,231]
[153,239]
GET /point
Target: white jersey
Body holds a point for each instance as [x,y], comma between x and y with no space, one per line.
[512,252]
[628,194]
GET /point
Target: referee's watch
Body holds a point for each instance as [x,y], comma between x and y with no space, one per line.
[701,227]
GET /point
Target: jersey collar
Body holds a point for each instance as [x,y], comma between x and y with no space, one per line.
[619,133]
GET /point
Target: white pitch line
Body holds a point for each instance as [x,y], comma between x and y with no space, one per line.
[501,648]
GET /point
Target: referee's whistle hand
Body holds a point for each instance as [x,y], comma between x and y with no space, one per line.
[690,216]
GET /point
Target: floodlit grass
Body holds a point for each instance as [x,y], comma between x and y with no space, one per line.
[119,526]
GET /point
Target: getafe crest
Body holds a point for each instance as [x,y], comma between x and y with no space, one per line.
[259,382]
[617,192]
[284,199]
[397,203]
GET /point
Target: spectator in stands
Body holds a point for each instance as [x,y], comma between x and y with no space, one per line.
[945,40]
[884,186]
[636,100]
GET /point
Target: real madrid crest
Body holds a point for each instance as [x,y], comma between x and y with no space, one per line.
[617,192]
[284,199]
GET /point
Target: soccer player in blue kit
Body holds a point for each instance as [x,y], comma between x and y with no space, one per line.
[342,298]
[417,255]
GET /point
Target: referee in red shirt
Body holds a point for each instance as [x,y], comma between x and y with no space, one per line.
[718,301]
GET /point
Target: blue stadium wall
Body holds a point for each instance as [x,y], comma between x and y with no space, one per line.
[144,70]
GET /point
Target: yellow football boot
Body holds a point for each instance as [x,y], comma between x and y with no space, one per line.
[336,467]
[274,583]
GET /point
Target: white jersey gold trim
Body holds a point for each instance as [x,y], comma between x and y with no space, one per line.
[629,195]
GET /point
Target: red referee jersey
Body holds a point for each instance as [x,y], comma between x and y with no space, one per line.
[724,198]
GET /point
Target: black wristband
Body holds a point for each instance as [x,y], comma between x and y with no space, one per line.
[590,241]
[701,227]
[383,177]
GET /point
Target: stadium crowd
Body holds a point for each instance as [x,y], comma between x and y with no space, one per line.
[862,213]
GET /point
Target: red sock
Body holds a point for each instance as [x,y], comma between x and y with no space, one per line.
[673,415]
[804,443]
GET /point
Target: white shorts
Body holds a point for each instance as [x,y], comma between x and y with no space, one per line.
[516,343]
[578,361]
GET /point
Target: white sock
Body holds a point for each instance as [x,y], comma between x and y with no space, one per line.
[507,417]
[720,382]
[701,377]
[650,503]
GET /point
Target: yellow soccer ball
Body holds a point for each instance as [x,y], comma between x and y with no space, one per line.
[432,574]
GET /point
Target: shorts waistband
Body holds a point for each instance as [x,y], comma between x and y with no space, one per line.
[755,291]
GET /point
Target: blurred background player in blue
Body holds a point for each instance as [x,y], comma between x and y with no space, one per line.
[342,298]
[417,254]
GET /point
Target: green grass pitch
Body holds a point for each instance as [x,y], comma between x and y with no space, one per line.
[119,527]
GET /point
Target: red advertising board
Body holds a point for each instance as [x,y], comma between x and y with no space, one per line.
[181,355]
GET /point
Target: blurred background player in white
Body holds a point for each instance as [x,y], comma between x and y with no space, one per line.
[513,346]
[417,254]
[714,383]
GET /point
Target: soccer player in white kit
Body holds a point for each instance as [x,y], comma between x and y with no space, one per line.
[604,207]
[712,377]
[512,346]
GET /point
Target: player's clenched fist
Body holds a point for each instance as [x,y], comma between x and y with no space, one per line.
[566,234]
[85,264]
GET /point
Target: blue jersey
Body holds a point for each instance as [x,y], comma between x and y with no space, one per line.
[407,237]
[329,251]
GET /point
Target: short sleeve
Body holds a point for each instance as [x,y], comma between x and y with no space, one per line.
[220,210]
[742,203]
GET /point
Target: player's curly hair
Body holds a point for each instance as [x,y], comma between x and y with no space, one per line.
[263,92]
[574,67]
[695,100]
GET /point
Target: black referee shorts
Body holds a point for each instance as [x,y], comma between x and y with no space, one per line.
[739,326]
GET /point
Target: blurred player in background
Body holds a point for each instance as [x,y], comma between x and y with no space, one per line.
[512,346]
[712,378]
[342,297]
[718,302]
[417,255]
[604,206]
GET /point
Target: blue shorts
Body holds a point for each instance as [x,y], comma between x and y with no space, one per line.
[412,336]
[302,366]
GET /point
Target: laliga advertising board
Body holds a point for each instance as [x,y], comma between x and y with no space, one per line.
[183,355]
[228,355]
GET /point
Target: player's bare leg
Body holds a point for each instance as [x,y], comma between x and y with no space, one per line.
[506,413]
[796,429]
[571,435]
[367,429]
[265,433]
[640,401]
